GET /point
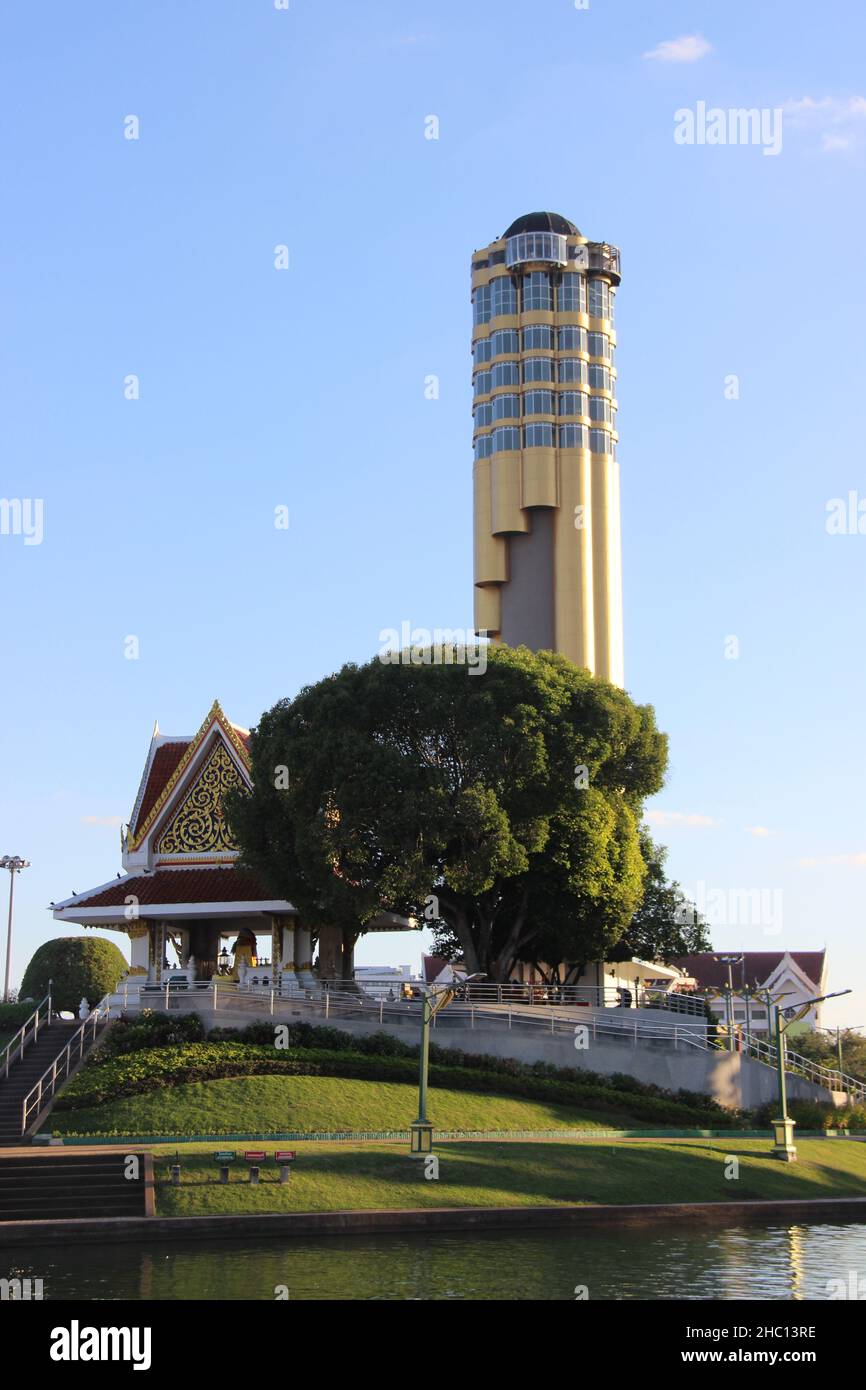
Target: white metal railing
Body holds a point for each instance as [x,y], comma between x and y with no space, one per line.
[21,1040]
[68,1057]
[592,996]
[763,1050]
[333,1003]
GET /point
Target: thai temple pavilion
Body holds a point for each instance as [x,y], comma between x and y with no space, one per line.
[189,911]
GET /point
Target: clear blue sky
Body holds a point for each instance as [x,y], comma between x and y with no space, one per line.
[306,388]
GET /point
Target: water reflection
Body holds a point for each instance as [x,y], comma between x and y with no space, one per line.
[749,1262]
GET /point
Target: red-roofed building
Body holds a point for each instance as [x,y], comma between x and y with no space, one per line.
[181,897]
[790,976]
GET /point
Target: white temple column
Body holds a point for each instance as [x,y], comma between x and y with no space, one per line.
[304,958]
[288,975]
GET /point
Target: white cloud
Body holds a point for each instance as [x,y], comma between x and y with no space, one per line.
[850,861]
[759,831]
[679,818]
[838,122]
[687,49]
[102,820]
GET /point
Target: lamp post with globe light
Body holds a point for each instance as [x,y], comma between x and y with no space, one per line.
[14,863]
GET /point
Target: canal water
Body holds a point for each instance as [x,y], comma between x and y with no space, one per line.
[748,1262]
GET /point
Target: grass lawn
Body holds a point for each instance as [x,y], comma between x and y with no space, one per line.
[334,1177]
[270,1104]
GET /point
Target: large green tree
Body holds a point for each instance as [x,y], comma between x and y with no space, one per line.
[667,924]
[489,803]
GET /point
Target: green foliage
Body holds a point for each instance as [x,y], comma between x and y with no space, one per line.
[434,793]
[149,1029]
[80,967]
[666,924]
[14,1016]
[813,1114]
[822,1048]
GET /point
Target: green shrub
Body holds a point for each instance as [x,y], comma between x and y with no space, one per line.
[14,1016]
[79,967]
[146,1030]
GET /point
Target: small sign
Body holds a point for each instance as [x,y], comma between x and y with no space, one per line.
[255,1155]
[284,1155]
[225,1155]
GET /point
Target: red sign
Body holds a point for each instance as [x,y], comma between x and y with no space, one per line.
[284,1155]
[255,1155]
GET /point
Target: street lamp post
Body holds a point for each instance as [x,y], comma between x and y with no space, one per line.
[421,1131]
[14,863]
[729,961]
[783,1127]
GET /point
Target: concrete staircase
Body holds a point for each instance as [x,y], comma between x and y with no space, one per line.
[24,1073]
[58,1185]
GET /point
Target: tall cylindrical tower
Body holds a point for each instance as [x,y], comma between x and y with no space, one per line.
[547,529]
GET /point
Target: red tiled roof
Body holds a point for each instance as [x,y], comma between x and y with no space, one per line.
[756,968]
[433,967]
[183,886]
[165,761]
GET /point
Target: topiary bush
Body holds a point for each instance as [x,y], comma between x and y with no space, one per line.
[79,967]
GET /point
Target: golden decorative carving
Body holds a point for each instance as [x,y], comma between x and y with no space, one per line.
[215,717]
[200,823]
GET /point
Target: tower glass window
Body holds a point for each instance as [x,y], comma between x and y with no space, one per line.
[572,339]
[482,383]
[482,351]
[600,376]
[572,369]
[538,436]
[538,337]
[506,374]
[484,446]
[504,340]
[572,403]
[599,345]
[536,246]
[572,436]
[506,407]
[599,441]
[504,298]
[481,301]
[483,414]
[571,293]
[537,291]
[599,299]
[599,409]
[538,403]
[505,438]
[538,369]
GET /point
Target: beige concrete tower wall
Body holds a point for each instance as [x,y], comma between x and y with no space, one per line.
[606,587]
[573,550]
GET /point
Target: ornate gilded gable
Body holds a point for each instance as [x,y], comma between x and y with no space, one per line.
[199,825]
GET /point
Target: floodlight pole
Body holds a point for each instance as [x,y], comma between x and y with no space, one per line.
[14,863]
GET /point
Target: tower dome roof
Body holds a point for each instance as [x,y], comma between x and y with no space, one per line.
[542,222]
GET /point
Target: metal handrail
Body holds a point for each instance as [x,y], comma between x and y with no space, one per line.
[831,1078]
[620,1024]
[34,1019]
[61,1066]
